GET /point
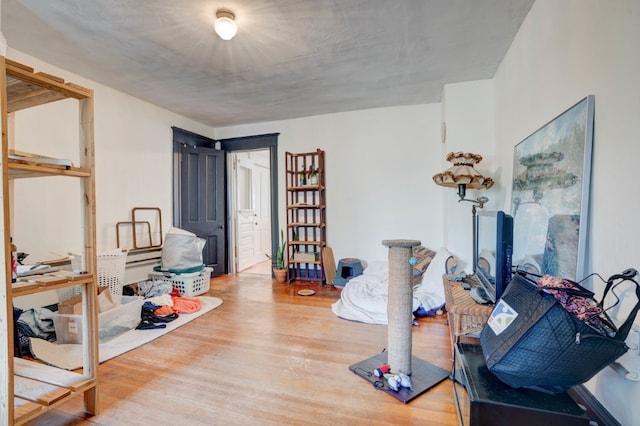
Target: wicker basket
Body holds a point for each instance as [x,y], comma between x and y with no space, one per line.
[463,313]
[111,267]
[188,285]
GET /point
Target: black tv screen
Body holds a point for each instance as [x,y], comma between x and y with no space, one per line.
[493,251]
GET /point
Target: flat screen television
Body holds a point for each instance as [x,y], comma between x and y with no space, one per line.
[493,251]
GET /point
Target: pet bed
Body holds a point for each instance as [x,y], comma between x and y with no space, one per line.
[364,298]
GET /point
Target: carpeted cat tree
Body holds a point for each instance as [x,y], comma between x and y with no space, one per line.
[423,375]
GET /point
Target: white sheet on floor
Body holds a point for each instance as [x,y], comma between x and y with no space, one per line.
[69,356]
[364,298]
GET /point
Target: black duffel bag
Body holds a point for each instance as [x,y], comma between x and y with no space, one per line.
[531,341]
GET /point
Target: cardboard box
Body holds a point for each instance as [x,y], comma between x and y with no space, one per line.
[73,306]
[305,257]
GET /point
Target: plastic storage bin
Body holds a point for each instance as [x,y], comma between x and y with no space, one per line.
[124,317]
[188,285]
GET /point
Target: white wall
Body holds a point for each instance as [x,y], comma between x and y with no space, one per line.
[379,166]
[468,114]
[564,51]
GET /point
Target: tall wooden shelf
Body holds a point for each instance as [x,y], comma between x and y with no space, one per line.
[28,388]
[306,215]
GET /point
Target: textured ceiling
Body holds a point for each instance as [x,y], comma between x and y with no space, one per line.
[291,58]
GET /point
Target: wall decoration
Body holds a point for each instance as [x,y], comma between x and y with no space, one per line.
[550,194]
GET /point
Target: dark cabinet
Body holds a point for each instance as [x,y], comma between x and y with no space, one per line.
[482,399]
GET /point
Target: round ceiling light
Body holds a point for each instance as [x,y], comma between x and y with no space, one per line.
[225,25]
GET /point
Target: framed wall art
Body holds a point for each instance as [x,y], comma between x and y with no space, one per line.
[550,194]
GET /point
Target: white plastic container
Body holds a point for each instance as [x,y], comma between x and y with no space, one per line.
[112,323]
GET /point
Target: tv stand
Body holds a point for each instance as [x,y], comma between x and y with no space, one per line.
[482,399]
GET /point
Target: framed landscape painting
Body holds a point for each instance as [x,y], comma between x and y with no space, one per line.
[550,194]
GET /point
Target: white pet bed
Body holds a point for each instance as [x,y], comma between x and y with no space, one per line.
[364,298]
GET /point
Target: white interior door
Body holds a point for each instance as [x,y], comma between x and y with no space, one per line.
[246,252]
[253,216]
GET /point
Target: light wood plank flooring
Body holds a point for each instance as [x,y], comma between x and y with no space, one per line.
[266,356]
[262,268]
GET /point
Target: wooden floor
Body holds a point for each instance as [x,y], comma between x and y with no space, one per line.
[261,268]
[266,356]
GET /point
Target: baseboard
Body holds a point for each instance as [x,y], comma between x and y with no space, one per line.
[596,411]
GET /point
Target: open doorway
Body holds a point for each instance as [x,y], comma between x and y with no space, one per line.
[263,168]
[222,246]
[251,207]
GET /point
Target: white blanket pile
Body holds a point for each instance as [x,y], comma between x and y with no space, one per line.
[364,298]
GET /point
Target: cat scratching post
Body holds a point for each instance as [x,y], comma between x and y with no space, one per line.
[400,304]
[424,375]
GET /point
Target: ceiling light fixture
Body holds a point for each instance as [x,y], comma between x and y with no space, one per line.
[225,25]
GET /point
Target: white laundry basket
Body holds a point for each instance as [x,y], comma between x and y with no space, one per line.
[189,285]
[69,292]
[111,266]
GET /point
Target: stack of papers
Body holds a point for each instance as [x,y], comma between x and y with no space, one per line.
[37,269]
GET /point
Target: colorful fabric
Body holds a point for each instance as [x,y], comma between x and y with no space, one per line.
[424,256]
[584,308]
[181,305]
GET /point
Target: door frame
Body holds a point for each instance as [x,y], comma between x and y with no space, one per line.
[244,143]
[248,143]
[180,137]
[260,192]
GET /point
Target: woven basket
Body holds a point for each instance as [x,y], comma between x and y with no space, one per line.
[463,313]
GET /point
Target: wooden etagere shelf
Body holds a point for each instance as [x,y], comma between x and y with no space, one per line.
[29,388]
[306,215]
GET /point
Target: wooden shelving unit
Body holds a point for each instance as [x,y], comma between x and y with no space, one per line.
[28,388]
[306,215]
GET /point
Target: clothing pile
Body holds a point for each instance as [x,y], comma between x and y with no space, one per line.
[36,322]
[162,304]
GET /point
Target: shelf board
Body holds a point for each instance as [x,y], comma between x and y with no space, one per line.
[305,188]
[304,243]
[37,387]
[305,206]
[310,225]
[51,375]
[304,262]
[39,392]
[24,410]
[40,283]
[313,279]
[27,169]
[26,89]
